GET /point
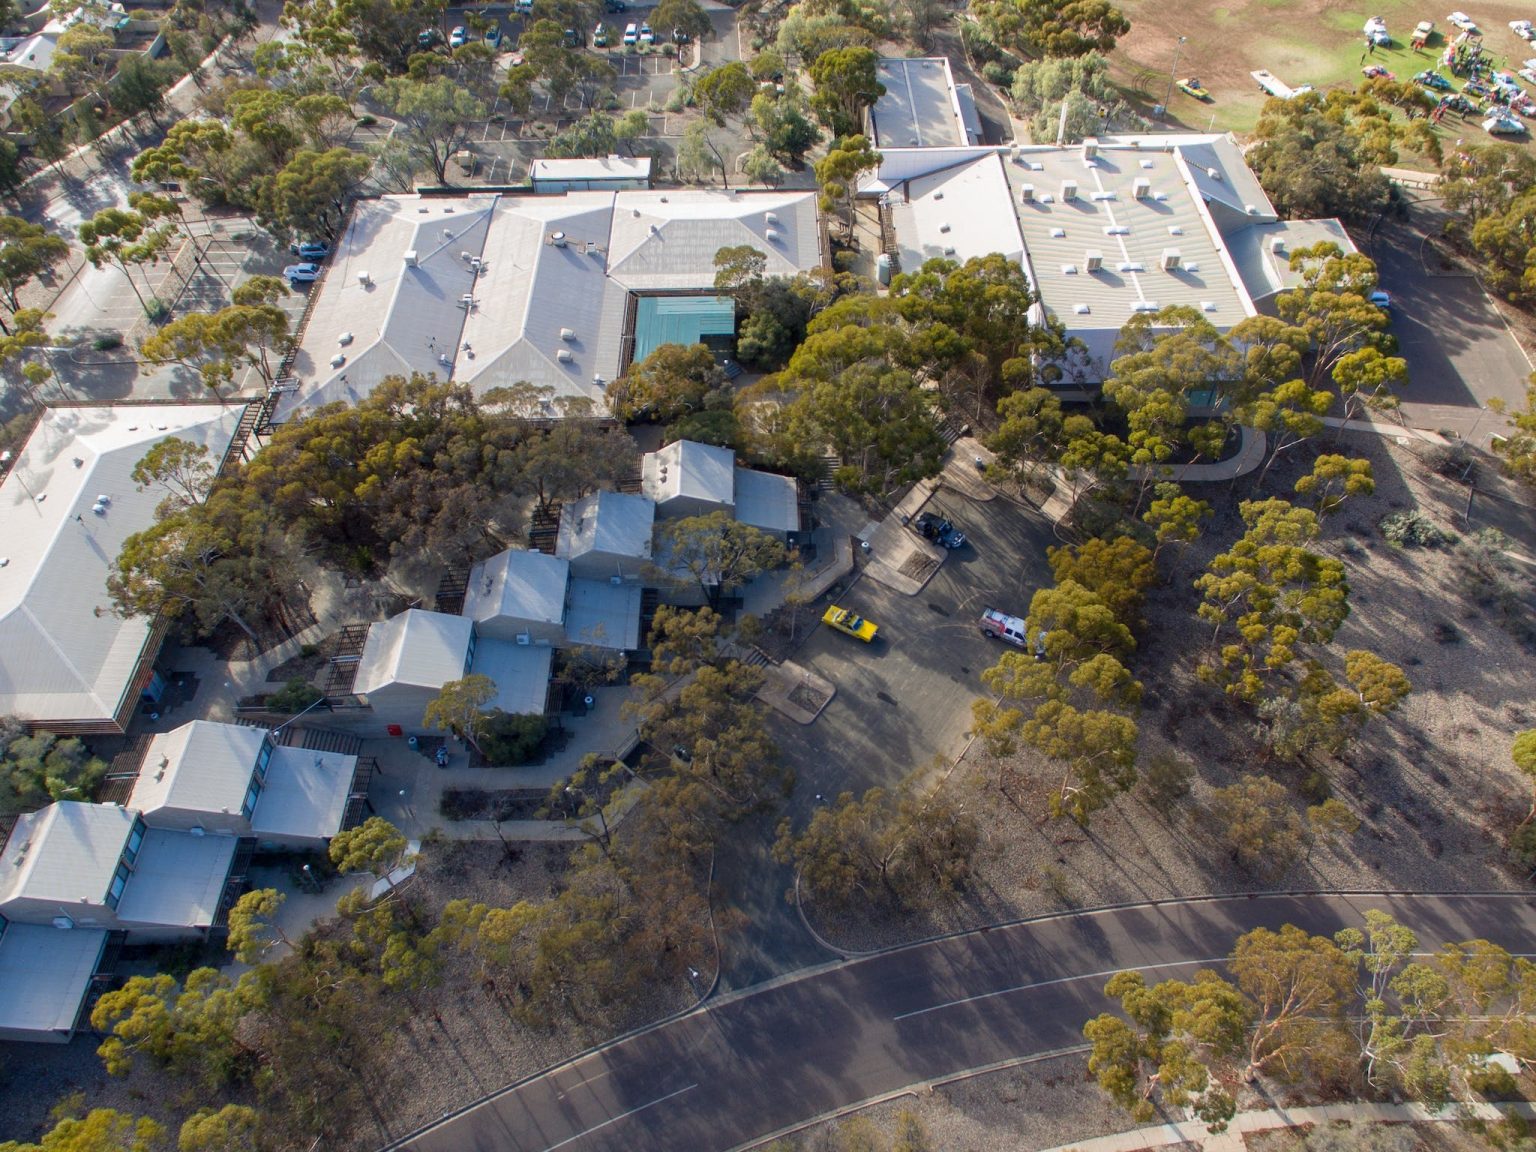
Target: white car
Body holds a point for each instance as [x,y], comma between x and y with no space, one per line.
[1503,126]
[631,34]
[1463,21]
[306,273]
[1523,29]
[1376,31]
[646,35]
[458,37]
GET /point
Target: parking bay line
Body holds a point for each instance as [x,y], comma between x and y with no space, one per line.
[620,1116]
[1058,980]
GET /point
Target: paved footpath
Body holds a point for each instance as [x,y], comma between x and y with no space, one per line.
[772,1059]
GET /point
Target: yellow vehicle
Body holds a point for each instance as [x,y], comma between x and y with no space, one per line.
[1192,86]
[854,625]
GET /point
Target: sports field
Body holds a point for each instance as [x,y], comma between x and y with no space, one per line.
[1317,42]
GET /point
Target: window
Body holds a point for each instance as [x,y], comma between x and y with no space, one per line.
[135,839]
[119,882]
[469,657]
[263,758]
[252,794]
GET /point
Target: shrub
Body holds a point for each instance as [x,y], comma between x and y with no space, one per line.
[509,738]
[294,696]
[157,310]
[1493,1083]
[1167,778]
[1454,459]
[1413,530]
[999,73]
[108,342]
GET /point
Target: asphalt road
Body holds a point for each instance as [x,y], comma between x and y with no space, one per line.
[749,1065]
[1460,353]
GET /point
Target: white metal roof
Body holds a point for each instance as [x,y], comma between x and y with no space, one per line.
[202,766]
[1266,272]
[425,649]
[957,213]
[305,794]
[668,239]
[614,523]
[520,672]
[518,583]
[686,468]
[64,654]
[65,852]
[177,880]
[767,500]
[592,168]
[44,975]
[604,614]
[921,106]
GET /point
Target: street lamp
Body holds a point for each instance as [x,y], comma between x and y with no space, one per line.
[1172,72]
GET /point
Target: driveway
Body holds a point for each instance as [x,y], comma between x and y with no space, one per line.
[1460,353]
[768,1060]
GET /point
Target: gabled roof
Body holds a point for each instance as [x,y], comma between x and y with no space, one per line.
[688,469]
[200,767]
[67,656]
[668,240]
[417,647]
[520,584]
[65,852]
[1266,272]
[614,523]
[1223,179]
[958,212]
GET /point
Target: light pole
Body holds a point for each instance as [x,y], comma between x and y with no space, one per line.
[1172,72]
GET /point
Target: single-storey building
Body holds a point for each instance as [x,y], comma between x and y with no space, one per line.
[687,478]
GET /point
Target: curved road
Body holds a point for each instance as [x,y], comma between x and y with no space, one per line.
[765,1059]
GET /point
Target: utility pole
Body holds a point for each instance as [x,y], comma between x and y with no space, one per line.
[1172,72]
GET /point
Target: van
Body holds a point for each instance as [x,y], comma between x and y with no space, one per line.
[631,34]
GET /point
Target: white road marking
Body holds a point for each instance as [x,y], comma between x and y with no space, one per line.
[586,1080]
[620,1116]
[1058,980]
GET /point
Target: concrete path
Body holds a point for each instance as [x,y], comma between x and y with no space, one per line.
[1194,1132]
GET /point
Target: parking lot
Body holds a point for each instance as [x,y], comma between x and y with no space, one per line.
[903,702]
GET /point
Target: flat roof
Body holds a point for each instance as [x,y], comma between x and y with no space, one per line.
[68,656]
[1266,272]
[592,168]
[613,523]
[681,320]
[767,500]
[920,108]
[178,879]
[520,671]
[45,973]
[520,584]
[604,614]
[417,647]
[66,852]
[202,766]
[305,794]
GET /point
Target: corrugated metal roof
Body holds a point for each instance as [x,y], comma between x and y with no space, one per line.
[603,614]
[1266,272]
[768,501]
[688,469]
[200,767]
[425,649]
[305,794]
[67,655]
[518,584]
[615,523]
[65,852]
[920,108]
[957,213]
[520,672]
[44,975]
[668,240]
[177,880]
[681,320]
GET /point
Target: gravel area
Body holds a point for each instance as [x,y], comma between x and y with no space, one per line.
[1432,784]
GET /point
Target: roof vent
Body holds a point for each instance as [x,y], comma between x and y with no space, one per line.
[772,235]
[770,217]
[656,231]
[939,195]
[1175,230]
[1171,259]
[1144,306]
[1069,269]
[338,360]
[99,509]
[1058,233]
[1117,230]
[1207,305]
[565,356]
[1026,192]
[558,238]
[637,211]
[1069,189]
[1191,266]
[943,227]
[466,256]
[103,499]
[344,339]
[1251,209]
[567,333]
[447,233]
[1277,245]
[1213,173]
[1146,164]
[949,250]
[663,199]
[1093,260]
[1081,309]
[1141,188]
[79,463]
[410,258]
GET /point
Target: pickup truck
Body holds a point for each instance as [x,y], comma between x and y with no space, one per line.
[997,625]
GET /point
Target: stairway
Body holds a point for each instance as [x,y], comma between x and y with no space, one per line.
[451,589]
[243,430]
[324,740]
[545,532]
[826,469]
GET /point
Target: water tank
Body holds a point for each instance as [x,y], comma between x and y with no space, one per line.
[883,268]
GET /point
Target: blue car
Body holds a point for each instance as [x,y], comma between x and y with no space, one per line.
[1433,80]
[310,250]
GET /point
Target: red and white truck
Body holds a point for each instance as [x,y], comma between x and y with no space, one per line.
[997,625]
